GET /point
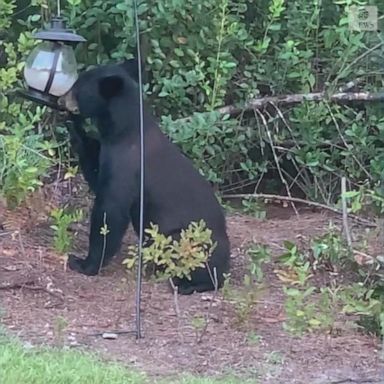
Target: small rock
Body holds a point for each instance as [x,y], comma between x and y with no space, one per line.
[10,268]
[27,345]
[209,298]
[109,336]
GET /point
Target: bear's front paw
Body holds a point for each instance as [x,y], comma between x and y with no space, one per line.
[81,266]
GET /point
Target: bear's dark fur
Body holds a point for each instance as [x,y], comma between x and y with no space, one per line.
[175,193]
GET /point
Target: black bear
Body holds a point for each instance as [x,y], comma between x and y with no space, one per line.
[175,194]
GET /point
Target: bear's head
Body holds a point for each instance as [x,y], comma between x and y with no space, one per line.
[94,90]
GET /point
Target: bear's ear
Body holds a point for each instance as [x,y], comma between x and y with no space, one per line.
[111,86]
[131,67]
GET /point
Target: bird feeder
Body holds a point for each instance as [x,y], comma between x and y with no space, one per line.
[51,69]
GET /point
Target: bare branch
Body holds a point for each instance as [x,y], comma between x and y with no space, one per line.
[266,196]
[177,309]
[339,98]
[213,277]
[277,160]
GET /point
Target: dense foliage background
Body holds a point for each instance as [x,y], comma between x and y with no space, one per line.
[200,56]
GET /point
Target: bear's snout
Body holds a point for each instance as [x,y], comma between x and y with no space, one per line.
[68,102]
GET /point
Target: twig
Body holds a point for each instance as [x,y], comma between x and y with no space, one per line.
[283,119]
[177,309]
[347,233]
[346,144]
[21,244]
[266,196]
[277,160]
[30,287]
[17,285]
[357,59]
[213,277]
[104,232]
[356,381]
[7,233]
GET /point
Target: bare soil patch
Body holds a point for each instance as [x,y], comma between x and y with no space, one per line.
[44,304]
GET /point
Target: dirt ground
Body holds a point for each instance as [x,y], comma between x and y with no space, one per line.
[43,304]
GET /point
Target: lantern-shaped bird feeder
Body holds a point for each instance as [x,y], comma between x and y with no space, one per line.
[51,69]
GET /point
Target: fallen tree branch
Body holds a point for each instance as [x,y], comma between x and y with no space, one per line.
[265,196]
[356,381]
[341,97]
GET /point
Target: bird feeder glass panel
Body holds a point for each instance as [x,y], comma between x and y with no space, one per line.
[51,68]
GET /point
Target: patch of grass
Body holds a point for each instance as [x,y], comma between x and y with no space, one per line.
[43,366]
[56,366]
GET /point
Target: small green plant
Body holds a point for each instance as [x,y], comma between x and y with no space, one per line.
[25,154]
[306,311]
[275,358]
[244,298]
[367,303]
[254,338]
[60,324]
[254,207]
[198,323]
[309,308]
[306,307]
[226,205]
[259,254]
[62,240]
[298,311]
[71,172]
[292,257]
[175,258]
[241,298]
[297,275]
[226,290]
[24,159]
[329,250]
[298,268]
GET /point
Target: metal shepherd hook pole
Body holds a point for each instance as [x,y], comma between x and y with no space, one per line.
[141,226]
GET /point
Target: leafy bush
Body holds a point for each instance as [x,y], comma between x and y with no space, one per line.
[25,155]
[215,143]
[202,55]
[175,258]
